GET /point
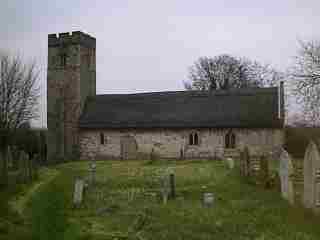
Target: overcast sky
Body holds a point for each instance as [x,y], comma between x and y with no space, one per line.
[146,45]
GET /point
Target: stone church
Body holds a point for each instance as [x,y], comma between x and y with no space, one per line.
[179,124]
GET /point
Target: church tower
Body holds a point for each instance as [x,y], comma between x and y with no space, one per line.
[71,78]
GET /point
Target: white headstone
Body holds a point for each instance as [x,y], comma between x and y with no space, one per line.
[311,177]
[208,199]
[286,172]
[230,163]
[78,191]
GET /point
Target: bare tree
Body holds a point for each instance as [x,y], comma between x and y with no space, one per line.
[306,79]
[18,101]
[225,71]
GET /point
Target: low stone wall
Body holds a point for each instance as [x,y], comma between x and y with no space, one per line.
[169,143]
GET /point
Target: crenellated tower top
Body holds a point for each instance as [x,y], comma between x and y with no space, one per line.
[71,38]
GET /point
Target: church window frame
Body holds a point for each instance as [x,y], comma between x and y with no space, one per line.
[102,138]
[230,140]
[194,139]
[63,60]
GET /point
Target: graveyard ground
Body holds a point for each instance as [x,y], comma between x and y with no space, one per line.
[123,204]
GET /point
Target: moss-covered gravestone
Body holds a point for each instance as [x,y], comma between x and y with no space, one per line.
[311,177]
[78,192]
[9,157]
[264,170]
[245,162]
[286,172]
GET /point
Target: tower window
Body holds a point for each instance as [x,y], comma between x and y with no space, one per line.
[101,138]
[63,60]
[230,140]
[193,139]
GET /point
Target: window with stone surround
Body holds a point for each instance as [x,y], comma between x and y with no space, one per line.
[230,140]
[101,138]
[193,139]
[63,60]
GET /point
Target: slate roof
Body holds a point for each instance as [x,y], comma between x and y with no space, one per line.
[237,108]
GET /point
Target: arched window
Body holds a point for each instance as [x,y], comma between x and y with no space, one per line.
[195,136]
[193,139]
[190,139]
[101,138]
[230,140]
[63,60]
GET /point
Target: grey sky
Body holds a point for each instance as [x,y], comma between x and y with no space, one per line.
[148,45]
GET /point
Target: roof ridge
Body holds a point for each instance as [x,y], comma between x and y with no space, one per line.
[220,91]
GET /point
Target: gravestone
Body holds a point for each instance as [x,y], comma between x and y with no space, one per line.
[311,176]
[36,160]
[9,157]
[78,191]
[208,199]
[264,170]
[165,188]
[92,170]
[172,186]
[244,162]
[286,172]
[15,157]
[230,162]
[23,166]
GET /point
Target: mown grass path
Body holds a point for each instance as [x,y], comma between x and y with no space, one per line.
[18,203]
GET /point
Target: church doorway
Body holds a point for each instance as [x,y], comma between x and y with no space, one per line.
[129,147]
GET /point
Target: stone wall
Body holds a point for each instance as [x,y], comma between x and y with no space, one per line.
[168,143]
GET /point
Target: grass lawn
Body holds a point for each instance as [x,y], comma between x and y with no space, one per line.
[123,204]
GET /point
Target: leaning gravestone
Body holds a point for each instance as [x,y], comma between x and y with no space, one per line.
[78,192]
[9,157]
[286,172]
[311,173]
[245,162]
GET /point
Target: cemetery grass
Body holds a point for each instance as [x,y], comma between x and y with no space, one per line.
[123,204]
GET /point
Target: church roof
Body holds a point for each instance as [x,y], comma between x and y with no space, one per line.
[236,108]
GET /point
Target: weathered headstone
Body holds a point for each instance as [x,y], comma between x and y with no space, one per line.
[165,188]
[78,191]
[9,157]
[286,172]
[92,170]
[23,166]
[264,170]
[230,162]
[244,162]
[172,186]
[208,199]
[36,160]
[15,158]
[311,173]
